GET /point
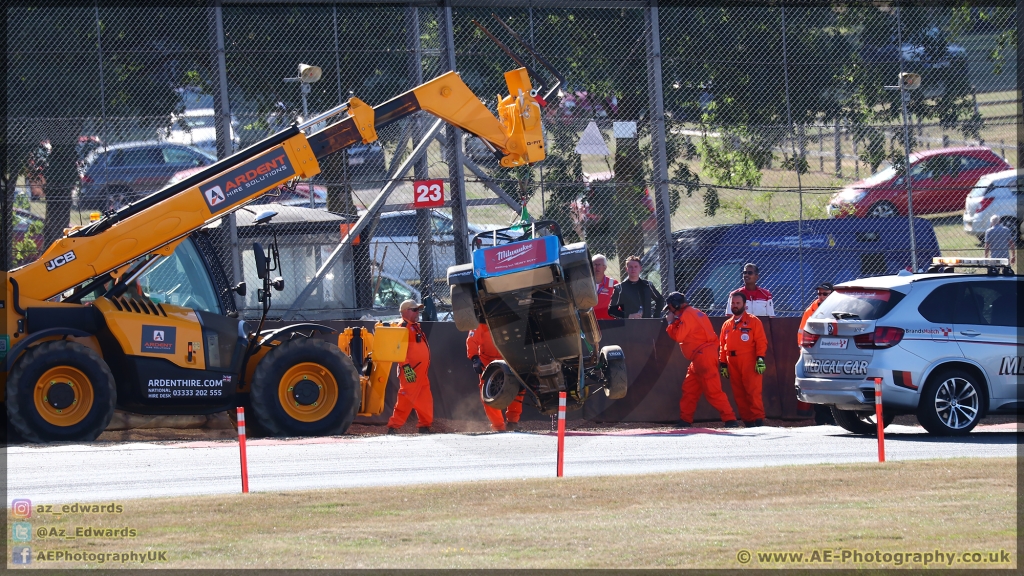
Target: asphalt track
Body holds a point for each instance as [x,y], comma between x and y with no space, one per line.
[106,472]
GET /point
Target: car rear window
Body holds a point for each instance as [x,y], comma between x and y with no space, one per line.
[858,303]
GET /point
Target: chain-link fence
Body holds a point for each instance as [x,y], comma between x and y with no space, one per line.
[698,137]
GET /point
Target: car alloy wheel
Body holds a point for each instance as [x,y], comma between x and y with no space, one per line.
[882,210]
[956,403]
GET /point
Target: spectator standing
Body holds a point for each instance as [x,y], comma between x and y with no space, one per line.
[999,241]
[633,297]
[605,286]
[822,413]
[759,300]
[413,383]
[742,347]
[692,330]
[481,350]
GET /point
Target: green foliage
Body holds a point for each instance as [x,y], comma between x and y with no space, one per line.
[727,166]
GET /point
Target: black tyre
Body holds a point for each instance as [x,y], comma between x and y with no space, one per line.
[951,403]
[463,310]
[860,422]
[60,391]
[580,278]
[305,387]
[883,209]
[617,381]
[501,385]
[588,323]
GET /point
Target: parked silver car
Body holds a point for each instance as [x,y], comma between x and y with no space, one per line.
[944,344]
[999,194]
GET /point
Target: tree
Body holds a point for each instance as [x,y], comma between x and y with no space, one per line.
[56,91]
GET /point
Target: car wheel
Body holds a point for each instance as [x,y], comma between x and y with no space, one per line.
[883,209]
[860,422]
[463,309]
[616,378]
[500,385]
[579,276]
[117,198]
[951,403]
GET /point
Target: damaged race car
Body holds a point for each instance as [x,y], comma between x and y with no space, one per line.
[536,295]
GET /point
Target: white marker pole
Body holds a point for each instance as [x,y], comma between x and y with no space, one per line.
[241,450]
[561,432]
[878,417]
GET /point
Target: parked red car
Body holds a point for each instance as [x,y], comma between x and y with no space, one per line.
[942,179]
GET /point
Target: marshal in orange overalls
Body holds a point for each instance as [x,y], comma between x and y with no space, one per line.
[479,343]
[414,395]
[696,338]
[741,342]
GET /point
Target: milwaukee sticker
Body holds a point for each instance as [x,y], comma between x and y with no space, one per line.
[247,180]
[511,256]
[158,339]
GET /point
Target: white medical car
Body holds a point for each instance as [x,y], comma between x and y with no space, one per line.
[946,346]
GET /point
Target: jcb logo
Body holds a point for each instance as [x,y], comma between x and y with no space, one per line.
[60,261]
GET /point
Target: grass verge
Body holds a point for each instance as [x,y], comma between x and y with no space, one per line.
[690,519]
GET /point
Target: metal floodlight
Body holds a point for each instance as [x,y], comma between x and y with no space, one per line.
[907,81]
[910,81]
[309,74]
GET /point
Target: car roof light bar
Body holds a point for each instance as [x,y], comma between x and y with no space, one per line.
[983,262]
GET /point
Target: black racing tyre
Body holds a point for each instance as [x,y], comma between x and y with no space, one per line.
[305,387]
[463,310]
[500,385]
[860,422]
[60,391]
[588,323]
[616,379]
[580,278]
[952,403]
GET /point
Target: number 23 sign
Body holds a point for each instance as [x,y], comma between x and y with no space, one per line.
[428,193]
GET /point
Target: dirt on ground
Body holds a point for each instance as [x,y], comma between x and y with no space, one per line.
[221,427]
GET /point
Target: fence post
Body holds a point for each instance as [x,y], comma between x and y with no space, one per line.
[838,150]
[658,152]
[222,124]
[453,152]
[797,158]
[420,169]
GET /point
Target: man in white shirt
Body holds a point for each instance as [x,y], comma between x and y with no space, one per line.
[759,300]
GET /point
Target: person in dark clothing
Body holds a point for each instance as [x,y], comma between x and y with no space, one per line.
[633,297]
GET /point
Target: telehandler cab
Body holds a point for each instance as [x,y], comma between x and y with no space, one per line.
[84,339]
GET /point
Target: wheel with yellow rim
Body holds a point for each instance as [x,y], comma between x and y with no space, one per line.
[60,391]
[305,387]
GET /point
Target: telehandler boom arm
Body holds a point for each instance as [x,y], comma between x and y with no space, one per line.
[156,221]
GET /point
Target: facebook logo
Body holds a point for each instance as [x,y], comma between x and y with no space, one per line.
[21,555]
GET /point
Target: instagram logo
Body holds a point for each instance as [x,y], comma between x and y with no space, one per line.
[21,508]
